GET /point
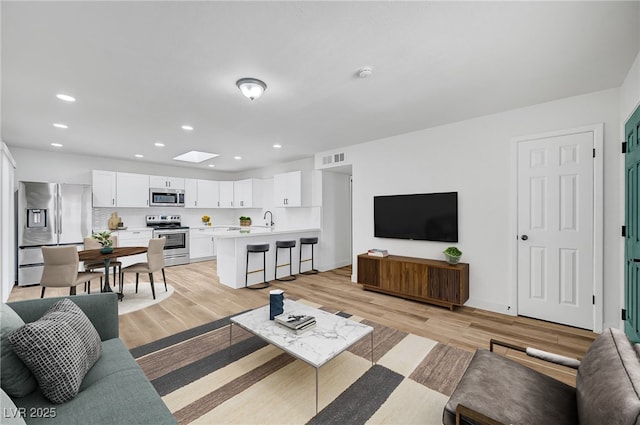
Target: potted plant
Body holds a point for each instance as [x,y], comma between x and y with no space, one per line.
[452,254]
[105,240]
[245,221]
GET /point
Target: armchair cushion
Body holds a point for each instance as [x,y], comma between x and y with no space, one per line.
[508,392]
[59,349]
[15,378]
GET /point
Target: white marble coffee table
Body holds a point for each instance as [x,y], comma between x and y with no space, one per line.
[331,336]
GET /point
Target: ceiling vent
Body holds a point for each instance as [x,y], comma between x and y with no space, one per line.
[333,158]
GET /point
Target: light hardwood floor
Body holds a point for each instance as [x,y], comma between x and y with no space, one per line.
[199,298]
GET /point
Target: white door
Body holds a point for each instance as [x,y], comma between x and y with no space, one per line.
[556,229]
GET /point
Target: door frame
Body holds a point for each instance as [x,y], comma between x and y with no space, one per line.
[598,216]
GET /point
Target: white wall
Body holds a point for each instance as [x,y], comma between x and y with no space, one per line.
[7,222]
[473,158]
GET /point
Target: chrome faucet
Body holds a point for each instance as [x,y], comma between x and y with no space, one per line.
[270,223]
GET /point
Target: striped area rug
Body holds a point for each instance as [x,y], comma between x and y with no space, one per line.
[204,379]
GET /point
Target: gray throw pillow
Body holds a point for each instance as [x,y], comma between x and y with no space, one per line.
[59,349]
[15,378]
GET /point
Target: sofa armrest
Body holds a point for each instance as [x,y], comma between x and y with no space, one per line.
[463,412]
[101,309]
[538,354]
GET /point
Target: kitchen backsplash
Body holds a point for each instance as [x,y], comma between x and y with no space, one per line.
[282,217]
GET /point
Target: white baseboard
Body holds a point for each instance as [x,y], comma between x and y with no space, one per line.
[490,306]
[327,267]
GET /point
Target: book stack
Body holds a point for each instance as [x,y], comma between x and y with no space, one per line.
[296,323]
[378,252]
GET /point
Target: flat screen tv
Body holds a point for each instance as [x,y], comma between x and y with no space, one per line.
[424,216]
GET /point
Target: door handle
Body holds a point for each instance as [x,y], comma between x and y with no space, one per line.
[524,237]
[636,260]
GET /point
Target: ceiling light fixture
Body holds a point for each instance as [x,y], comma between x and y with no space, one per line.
[65,97]
[139,155]
[56,145]
[237,158]
[187,127]
[251,88]
[158,144]
[365,72]
[211,165]
[195,156]
[60,125]
[277,146]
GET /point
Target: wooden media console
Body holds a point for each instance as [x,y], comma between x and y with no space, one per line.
[432,281]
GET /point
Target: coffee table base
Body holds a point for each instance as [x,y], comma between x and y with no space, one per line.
[317,368]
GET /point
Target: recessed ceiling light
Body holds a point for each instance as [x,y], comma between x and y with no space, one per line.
[211,165]
[187,127]
[139,155]
[56,145]
[277,146]
[60,125]
[159,144]
[237,157]
[65,97]
[195,156]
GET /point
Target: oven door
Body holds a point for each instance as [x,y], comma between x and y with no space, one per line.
[175,240]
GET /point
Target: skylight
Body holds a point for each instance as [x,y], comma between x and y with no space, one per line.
[195,156]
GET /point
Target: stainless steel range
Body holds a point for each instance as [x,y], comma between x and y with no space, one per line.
[176,246]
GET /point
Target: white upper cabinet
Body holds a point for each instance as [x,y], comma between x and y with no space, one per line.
[297,189]
[103,188]
[132,190]
[247,193]
[158,182]
[201,193]
[226,194]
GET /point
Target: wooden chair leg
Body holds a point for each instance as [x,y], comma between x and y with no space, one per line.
[165,280]
[153,291]
[42,292]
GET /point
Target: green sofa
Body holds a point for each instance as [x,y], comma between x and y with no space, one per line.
[114,391]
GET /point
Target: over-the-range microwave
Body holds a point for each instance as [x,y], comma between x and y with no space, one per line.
[166,197]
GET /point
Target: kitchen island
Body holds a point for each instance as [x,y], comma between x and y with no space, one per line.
[231,247]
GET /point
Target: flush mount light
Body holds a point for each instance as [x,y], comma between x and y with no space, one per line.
[195,156]
[60,125]
[66,97]
[187,128]
[159,144]
[237,157]
[56,145]
[251,88]
[139,155]
[277,146]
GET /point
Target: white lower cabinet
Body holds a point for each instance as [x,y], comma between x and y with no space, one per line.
[134,238]
[201,244]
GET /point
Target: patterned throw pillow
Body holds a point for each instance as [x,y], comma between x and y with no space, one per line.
[59,349]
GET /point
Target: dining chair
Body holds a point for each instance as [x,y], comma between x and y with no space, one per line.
[90,243]
[61,269]
[155,262]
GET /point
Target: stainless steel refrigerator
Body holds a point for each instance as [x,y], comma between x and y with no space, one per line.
[49,214]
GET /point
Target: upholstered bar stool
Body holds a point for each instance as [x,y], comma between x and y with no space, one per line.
[257,248]
[312,242]
[284,245]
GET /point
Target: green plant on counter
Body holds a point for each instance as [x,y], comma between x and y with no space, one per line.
[103,237]
[245,221]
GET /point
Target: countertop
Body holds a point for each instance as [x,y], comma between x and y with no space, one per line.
[237,232]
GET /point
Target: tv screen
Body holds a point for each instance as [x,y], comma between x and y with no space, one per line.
[425,216]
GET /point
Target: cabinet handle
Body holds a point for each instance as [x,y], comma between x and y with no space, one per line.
[113,201]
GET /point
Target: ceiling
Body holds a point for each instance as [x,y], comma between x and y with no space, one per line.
[140,70]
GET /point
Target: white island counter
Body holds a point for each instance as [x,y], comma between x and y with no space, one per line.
[231,246]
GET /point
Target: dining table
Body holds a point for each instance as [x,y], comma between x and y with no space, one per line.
[106,257]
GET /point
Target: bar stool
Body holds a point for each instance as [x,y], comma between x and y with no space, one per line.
[312,242]
[257,248]
[284,244]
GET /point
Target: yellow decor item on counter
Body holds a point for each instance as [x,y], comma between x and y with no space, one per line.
[113,221]
[206,220]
